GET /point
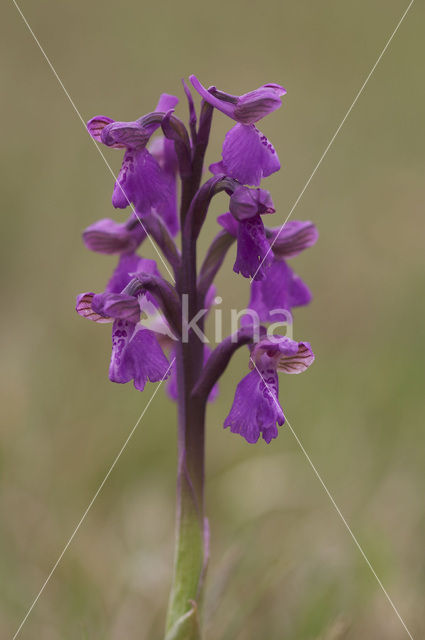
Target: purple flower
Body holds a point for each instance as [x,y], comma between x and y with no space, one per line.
[108,236]
[256,409]
[248,108]
[248,156]
[141,180]
[286,355]
[292,238]
[282,289]
[136,353]
[128,264]
[253,255]
[246,203]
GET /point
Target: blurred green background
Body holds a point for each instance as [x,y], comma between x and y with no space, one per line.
[282,564]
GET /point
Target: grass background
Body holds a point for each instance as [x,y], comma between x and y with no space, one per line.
[282,564]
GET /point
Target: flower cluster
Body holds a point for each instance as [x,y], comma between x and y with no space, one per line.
[145,309]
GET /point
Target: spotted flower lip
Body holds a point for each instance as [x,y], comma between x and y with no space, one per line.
[247,108]
[256,409]
[136,355]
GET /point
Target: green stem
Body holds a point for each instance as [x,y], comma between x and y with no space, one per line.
[190,552]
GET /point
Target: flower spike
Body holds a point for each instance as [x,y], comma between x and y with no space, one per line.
[158,326]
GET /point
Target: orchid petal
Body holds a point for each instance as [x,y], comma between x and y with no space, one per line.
[166,102]
[256,407]
[144,359]
[293,237]
[247,108]
[253,256]
[117,305]
[229,223]
[125,134]
[282,289]
[127,264]
[141,181]
[109,237]
[246,203]
[286,355]
[84,308]
[248,156]
[96,125]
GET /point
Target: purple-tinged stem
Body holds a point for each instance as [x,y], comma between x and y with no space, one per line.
[191,530]
[190,186]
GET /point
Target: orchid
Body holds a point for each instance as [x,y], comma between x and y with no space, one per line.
[136,353]
[142,180]
[248,156]
[256,409]
[158,324]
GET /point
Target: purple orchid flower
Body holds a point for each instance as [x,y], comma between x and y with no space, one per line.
[141,180]
[248,156]
[136,353]
[256,409]
[244,222]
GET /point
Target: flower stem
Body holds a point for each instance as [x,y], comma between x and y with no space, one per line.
[191,535]
[191,550]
